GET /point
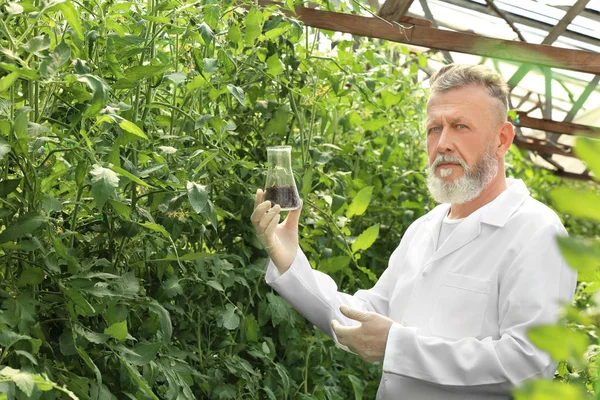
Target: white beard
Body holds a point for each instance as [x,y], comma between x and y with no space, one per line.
[466,188]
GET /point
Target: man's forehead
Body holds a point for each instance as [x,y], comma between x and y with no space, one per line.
[453,117]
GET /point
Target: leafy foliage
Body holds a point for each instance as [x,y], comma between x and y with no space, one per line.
[133,137]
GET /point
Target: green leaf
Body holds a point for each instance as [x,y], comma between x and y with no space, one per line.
[117,331]
[583,255]
[45,385]
[73,18]
[587,149]
[32,276]
[274,66]
[164,318]
[24,225]
[99,94]
[560,342]
[206,33]
[237,92]
[254,21]
[198,82]
[59,57]
[104,183]
[132,128]
[24,382]
[215,285]
[333,264]
[278,124]
[171,287]
[577,202]
[358,386]
[21,123]
[176,77]
[8,186]
[210,65]
[139,380]
[229,319]
[8,338]
[251,328]
[129,175]
[142,353]
[91,336]
[360,202]
[24,73]
[82,306]
[543,389]
[197,195]
[390,99]
[366,239]
[14,8]
[39,43]
[7,81]
[50,204]
[122,209]
[156,228]
[145,71]
[234,35]
[4,148]
[374,124]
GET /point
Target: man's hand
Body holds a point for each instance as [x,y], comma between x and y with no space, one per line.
[369,339]
[280,240]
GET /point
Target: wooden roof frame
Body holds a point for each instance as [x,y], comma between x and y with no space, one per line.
[392,24]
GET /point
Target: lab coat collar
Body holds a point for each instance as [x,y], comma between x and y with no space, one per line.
[495,213]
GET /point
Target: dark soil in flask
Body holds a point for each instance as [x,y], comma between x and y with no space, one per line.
[285,196]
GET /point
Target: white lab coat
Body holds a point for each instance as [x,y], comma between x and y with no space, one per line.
[462,312]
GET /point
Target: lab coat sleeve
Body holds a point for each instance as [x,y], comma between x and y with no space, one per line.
[530,292]
[315,294]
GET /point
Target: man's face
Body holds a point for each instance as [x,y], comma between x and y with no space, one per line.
[460,143]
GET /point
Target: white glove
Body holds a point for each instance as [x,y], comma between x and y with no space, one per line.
[368,339]
[280,240]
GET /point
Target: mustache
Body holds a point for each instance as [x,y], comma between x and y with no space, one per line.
[448,158]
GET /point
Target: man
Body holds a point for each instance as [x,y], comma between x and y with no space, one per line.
[449,316]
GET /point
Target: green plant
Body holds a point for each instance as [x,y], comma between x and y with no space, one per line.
[133,137]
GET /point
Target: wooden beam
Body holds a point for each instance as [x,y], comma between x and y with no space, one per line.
[543,147]
[429,16]
[523,20]
[571,175]
[392,10]
[576,60]
[564,22]
[558,30]
[501,14]
[584,96]
[566,128]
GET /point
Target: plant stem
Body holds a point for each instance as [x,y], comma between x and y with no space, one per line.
[75,211]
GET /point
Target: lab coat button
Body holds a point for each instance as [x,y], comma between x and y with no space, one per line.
[424,273]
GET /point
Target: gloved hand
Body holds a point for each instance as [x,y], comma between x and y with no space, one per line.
[280,240]
[368,339]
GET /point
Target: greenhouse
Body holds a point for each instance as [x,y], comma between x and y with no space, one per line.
[327,199]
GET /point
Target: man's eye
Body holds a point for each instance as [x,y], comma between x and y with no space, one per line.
[434,129]
[461,126]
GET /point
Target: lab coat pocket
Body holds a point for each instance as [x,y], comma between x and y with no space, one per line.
[460,306]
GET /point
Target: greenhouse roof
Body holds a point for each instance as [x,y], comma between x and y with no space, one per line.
[575,96]
[548,51]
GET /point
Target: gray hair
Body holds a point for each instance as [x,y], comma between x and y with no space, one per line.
[454,76]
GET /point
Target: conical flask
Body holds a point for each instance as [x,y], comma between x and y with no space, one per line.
[280,187]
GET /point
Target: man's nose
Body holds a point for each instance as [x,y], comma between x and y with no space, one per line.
[445,144]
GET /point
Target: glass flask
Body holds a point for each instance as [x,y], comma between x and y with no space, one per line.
[280,187]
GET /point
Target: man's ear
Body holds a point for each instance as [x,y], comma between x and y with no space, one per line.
[506,134]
